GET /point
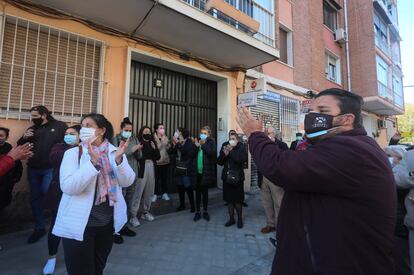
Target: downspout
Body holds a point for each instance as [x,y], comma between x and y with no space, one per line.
[348,67]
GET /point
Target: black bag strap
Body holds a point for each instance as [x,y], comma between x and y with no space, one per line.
[80,153]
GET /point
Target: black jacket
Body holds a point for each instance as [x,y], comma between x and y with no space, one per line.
[45,136]
[339,209]
[209,163]
[8,181]
[234,160]
[188,151]
[148,153]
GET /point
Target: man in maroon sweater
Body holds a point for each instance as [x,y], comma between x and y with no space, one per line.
[339,209]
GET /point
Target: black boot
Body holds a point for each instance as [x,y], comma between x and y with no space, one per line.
[190,194]
[181,195]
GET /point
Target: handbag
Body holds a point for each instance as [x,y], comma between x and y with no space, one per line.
[233,176]
[180,166]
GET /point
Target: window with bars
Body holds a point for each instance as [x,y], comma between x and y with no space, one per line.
[289,118]
[41,65]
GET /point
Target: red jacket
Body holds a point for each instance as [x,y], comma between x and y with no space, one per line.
[6,164]
[339,209]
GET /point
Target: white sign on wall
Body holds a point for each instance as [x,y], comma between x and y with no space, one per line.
[247,99]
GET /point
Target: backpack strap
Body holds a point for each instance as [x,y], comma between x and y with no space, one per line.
[80,153]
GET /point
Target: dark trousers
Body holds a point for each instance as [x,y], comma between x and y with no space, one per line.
[201,190]
[39,180]
[161,179]
[401,256]
[89,256]
[53,240]
[190,193]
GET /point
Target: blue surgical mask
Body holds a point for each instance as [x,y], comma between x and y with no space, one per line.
[126,135]
[70,139]
[203,136]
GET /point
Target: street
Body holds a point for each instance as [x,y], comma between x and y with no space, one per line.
[172,244]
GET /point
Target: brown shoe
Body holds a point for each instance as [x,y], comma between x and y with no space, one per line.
[268,229]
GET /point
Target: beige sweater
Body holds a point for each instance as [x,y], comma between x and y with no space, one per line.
[163,146]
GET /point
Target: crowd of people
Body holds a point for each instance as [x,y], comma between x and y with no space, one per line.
[97,185]
[336,202]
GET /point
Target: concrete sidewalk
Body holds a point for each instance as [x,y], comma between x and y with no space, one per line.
[172,244]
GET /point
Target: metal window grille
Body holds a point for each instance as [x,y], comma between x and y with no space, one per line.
[289,118]
[41,65]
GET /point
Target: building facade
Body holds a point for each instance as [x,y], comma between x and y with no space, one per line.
[184,62]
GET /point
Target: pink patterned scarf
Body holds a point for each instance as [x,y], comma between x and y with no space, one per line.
[107,181]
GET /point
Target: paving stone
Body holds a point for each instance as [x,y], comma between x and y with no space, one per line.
[172,244]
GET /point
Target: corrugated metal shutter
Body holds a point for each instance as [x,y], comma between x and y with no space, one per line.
[182,101]
[42,65]
[271,111]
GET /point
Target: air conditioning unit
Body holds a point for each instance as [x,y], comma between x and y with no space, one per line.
[340,36]
[382,123]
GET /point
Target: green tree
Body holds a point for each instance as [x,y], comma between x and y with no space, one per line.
[406,122]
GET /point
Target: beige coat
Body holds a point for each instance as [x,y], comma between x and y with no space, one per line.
[163,146]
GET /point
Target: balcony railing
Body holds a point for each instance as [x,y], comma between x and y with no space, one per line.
[382,44]
[252,9]
[397,99]
[385,92]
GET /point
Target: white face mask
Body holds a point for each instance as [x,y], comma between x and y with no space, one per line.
[232,143]
[86,133]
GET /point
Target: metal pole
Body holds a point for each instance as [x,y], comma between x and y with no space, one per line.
[348,67]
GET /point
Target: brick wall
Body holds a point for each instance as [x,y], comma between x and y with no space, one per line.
[362,47]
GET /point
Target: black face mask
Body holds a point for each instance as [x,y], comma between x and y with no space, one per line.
[317,124]
[37,121]
[147,136]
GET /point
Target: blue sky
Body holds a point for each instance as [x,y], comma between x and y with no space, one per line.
[406,21]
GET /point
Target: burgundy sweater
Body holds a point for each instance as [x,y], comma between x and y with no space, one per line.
[339,208]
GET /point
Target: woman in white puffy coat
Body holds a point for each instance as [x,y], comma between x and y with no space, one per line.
[402,162]
[92,207]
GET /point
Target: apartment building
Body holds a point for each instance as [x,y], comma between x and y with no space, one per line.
[375,64]
[184,62]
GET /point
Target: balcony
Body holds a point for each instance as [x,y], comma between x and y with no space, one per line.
[385,92]
[177,24]
[244,15]
[386,103]
[382,45]
[382,8]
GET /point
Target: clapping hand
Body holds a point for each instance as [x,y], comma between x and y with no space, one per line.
[227,149]
[197,143]
[21,152]
[28,133]
[137,147]
[247,122]
[123,145]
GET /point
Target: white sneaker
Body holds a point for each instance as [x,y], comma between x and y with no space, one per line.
[50,266]
[165,197]
[149,217]
[154,198]
[134,222]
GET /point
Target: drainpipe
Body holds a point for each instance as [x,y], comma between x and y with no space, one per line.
[348,68]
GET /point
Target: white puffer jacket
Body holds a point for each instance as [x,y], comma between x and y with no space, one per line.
[78,183]
[404,177]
